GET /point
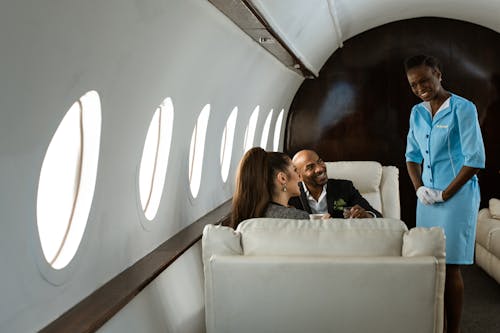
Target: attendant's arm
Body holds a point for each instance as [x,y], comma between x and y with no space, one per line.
[463,176]
[472,145]
[415,173]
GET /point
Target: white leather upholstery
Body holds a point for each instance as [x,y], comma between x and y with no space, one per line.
[357,237]
[295,276]
[494,206]
[488,243]
[378,184]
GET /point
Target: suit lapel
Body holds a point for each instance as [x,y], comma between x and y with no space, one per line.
[330,197]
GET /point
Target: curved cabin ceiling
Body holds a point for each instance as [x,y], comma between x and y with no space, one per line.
[314,29]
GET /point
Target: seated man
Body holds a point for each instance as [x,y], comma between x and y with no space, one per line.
[318,194]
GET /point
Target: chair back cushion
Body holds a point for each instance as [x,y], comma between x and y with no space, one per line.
[378,184]
[333,237]
[295,276]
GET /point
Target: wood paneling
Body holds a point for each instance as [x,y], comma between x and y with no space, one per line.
[358,108]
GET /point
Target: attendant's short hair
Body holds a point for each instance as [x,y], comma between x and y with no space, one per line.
[422,59]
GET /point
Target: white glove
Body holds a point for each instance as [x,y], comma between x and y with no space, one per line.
[436,195]
[425,195]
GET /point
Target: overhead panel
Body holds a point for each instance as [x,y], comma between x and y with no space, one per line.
[252,22]
[309,28]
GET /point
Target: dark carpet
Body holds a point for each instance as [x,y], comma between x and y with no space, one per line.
[482,302]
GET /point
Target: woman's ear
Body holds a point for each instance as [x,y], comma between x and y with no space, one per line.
[437,72]
[281,177]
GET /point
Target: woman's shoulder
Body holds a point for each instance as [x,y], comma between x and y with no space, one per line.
[418,110]
[278,211]
[463,108]
[460,101]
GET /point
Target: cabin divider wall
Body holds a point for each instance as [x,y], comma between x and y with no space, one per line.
[359,107]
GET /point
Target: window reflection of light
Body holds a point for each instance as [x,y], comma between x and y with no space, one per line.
[196,150]
[250,131]
[277,130]
[227,144]
[67,181]
[265,130]
[153,168]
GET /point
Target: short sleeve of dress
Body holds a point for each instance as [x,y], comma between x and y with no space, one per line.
[471,139]
[413,153]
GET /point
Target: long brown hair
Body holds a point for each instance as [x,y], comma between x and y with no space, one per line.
[255,183]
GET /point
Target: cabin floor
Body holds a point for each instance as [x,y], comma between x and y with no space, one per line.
[482,302]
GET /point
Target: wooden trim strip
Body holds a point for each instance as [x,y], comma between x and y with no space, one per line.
[93,311]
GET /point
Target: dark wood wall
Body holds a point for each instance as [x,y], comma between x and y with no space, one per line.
[358,108]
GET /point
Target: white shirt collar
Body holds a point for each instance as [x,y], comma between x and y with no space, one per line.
[443,106]
[320,206]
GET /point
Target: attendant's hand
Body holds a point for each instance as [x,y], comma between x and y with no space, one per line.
[436,195]
[426,195]
[326,216]
[358,212]
[429,196]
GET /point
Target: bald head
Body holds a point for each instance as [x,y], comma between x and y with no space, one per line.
[311,168]
[304,155]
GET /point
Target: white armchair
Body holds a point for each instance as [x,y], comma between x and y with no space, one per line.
[337,275]
[488,239]
[378,184]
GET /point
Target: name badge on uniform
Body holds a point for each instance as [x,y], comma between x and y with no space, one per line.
[441,126]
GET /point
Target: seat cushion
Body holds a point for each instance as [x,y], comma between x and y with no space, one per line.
[365,175]
[342,237]
[424,242]
[220,240]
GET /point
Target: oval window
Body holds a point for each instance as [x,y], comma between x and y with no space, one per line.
[277,130]
[154,159]
[250,131]
[67,181]
[265,130]
[226,146]
[196,150]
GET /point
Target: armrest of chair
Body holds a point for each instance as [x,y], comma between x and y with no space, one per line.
[389,192]
[488,230]
[378,184]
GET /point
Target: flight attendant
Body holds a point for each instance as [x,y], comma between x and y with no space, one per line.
[444,152]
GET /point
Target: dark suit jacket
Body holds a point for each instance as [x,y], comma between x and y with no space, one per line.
[336,189]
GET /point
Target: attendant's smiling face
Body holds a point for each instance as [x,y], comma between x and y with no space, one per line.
[311,168]
[425,82]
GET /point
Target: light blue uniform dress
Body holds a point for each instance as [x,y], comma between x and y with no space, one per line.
[445,143]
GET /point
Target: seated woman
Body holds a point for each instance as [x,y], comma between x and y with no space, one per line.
[265,181]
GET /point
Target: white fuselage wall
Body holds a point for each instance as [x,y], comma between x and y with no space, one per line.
[134,54]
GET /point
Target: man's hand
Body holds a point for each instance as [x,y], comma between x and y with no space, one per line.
[358,212]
